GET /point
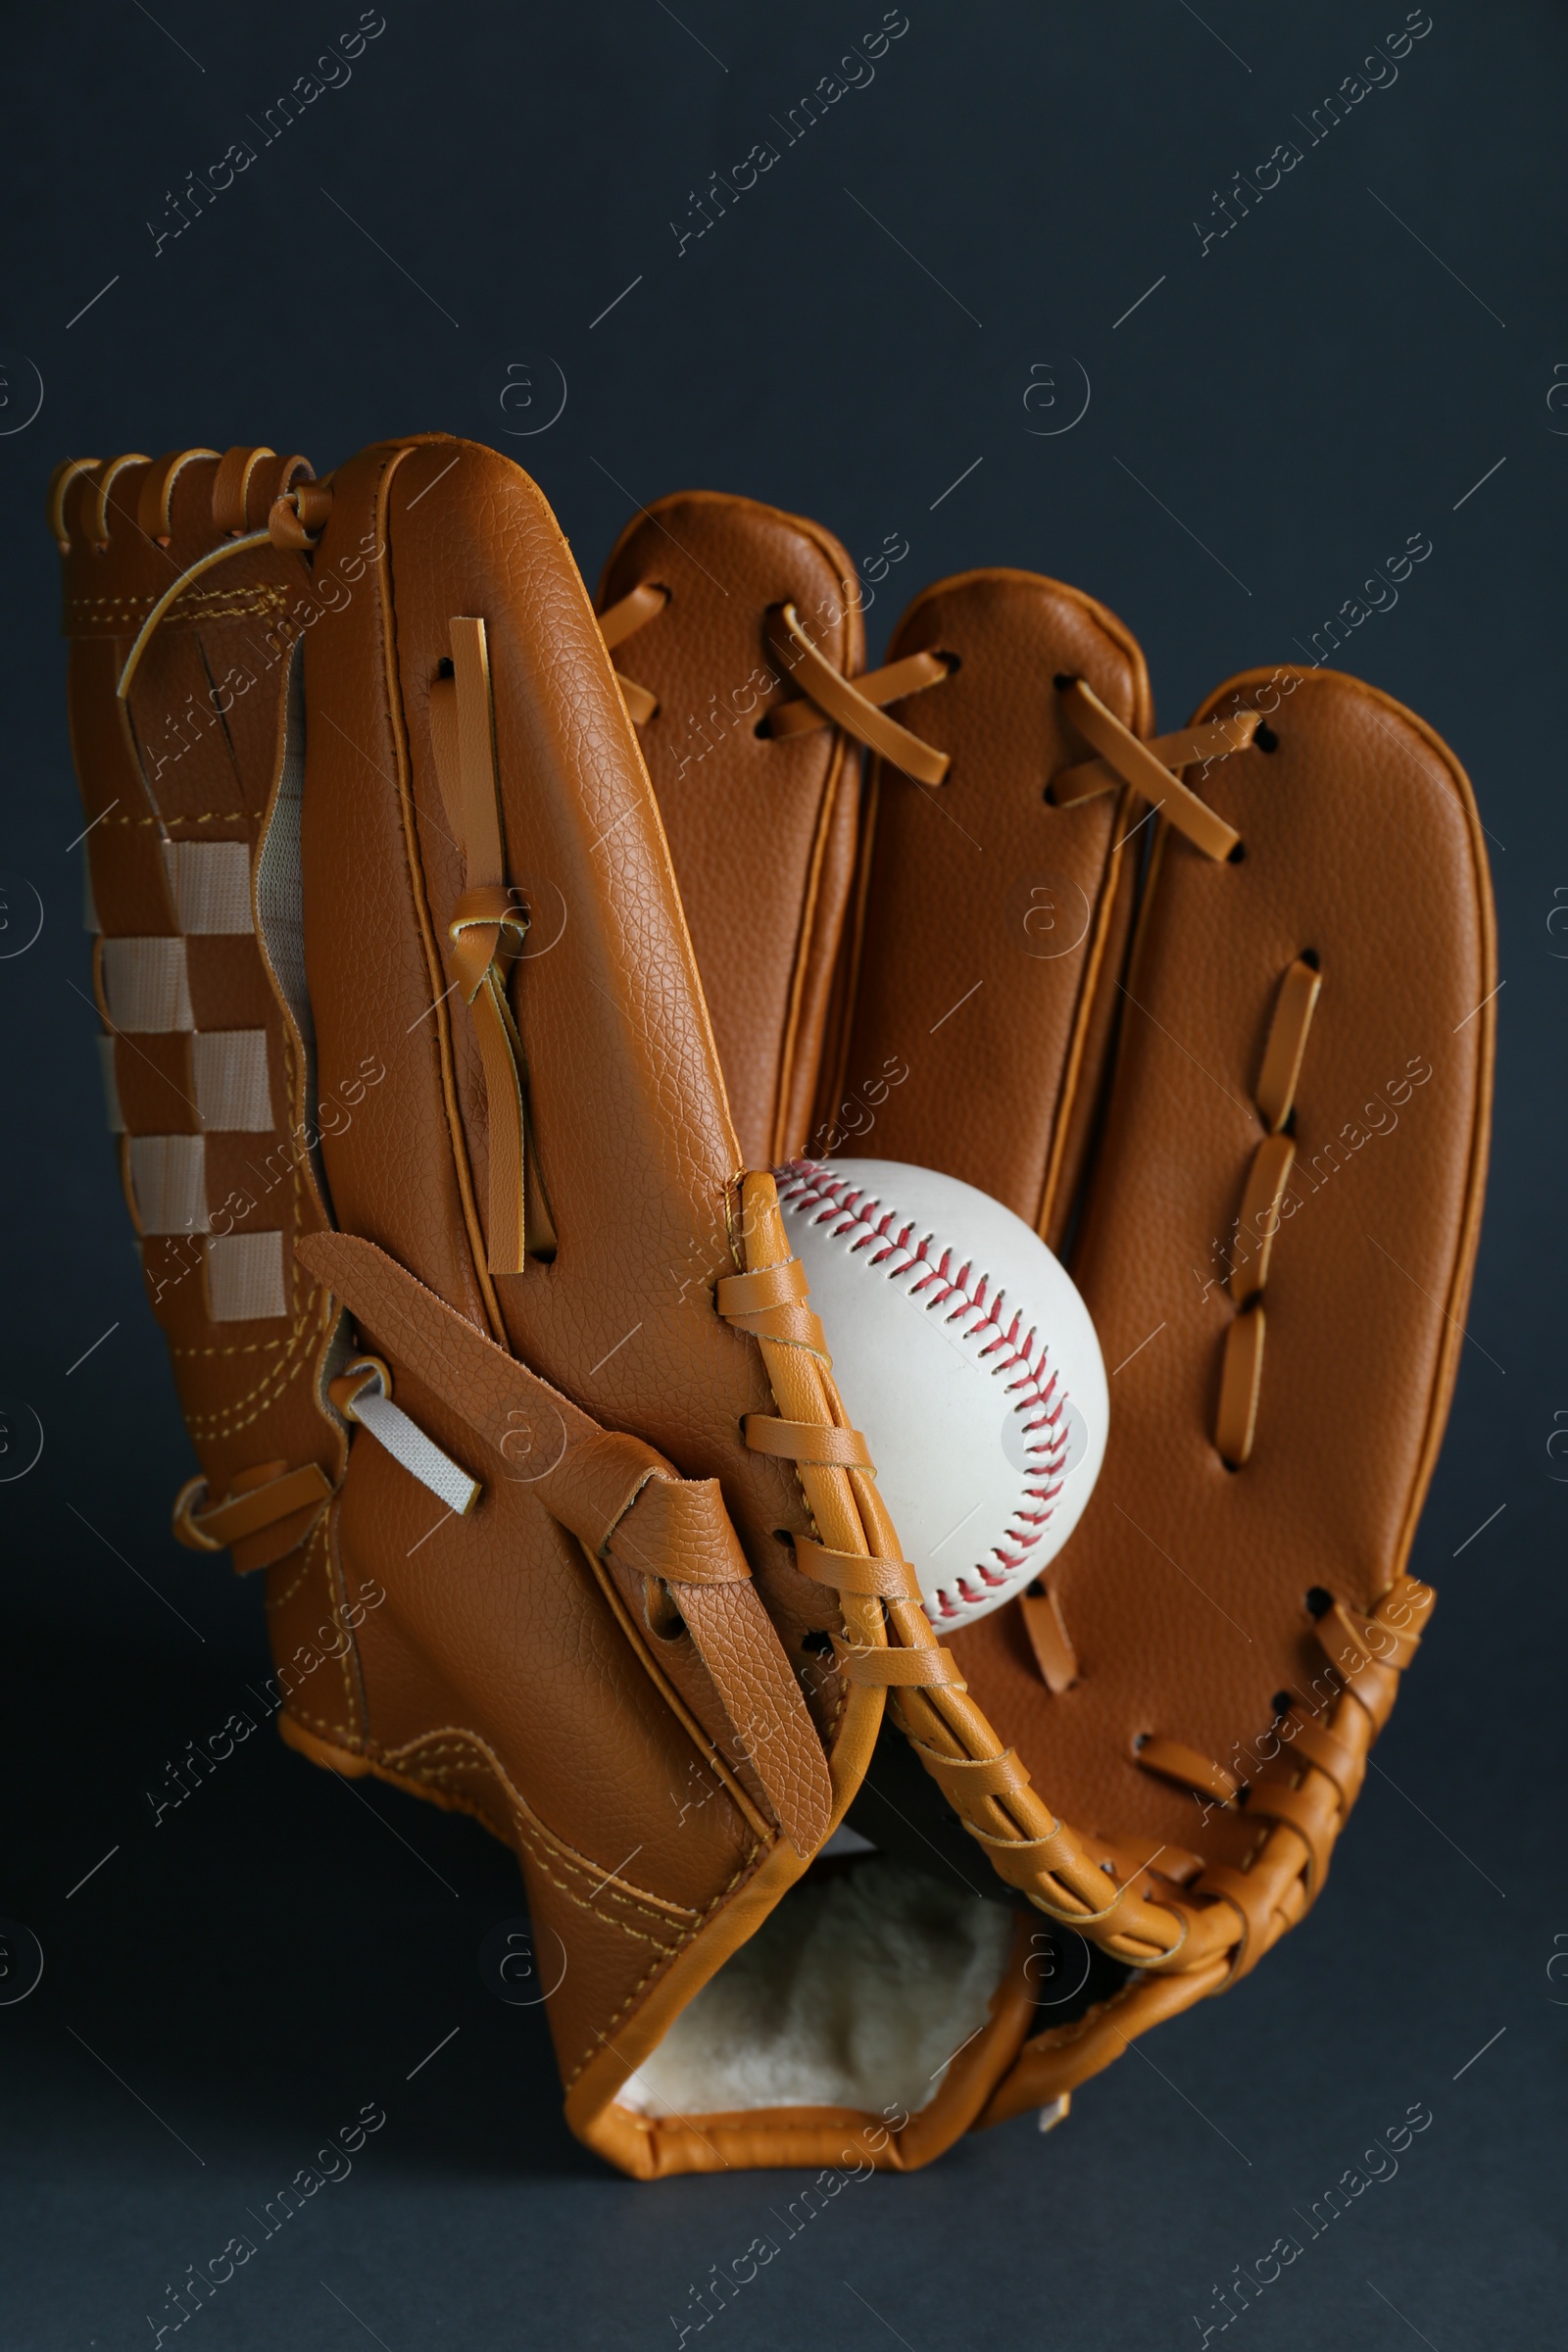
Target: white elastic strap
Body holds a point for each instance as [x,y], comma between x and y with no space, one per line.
[147,986]
[169,1182]
[245,1277]
[232,1093]
[211,885]
[407,1444]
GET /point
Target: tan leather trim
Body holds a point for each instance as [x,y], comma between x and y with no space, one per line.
[1050,1640]
[157,491]
[843,703]
[1058,2060]
[789,1120]
[398,729]
[1067,1138]
[879,686]
[661,2147]
[60,482]
[762,1829]
[1283,1055]
[257,1499]
[1134,760]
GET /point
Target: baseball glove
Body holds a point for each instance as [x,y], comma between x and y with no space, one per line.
[589,1548]
[1196,1684]
[598,1553]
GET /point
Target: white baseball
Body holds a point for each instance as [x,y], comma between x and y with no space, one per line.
[966,1357]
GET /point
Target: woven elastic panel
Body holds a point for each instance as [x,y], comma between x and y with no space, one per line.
[211,885]
[169,1182]
[245,1277]
[146,986]
[232,1093]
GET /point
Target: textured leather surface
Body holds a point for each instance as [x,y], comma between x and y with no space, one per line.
[194,757]
[990,916]
[1189,1591]
[562,1660]
[622,1502]
[513,1670]
[762,832]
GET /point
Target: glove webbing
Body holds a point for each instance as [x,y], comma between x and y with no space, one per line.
[891,1640]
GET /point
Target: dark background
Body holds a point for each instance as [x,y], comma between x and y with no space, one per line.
[230,1986]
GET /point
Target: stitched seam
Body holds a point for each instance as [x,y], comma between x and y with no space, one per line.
[205,817]
[1021,1357]
[278,1601]
[196,605]
[348,1661]
[542,1861]
[222,1420]
[471,1754]
[744,1866]
[322,1723]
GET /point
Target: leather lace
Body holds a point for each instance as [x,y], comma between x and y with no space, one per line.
[487,932]
[1150,768]
[826,697]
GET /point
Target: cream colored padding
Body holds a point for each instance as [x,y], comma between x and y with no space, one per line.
[211,882]
[169,1182]
[232,1093]
[856,1992]
[146,985]
[245,1277]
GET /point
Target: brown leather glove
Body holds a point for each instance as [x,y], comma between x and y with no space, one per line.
[591,1548]
[1294,1145]
[606,1567]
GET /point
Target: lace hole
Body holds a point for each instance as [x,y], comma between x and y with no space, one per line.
[1237,855]
[1319,1601]
[818,1644]
[1282,1701]
[1310,956]
[1265,738]
[954,661]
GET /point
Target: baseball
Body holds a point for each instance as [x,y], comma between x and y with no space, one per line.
[967,1359]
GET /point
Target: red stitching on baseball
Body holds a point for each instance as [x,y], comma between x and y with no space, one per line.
[802,1186]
